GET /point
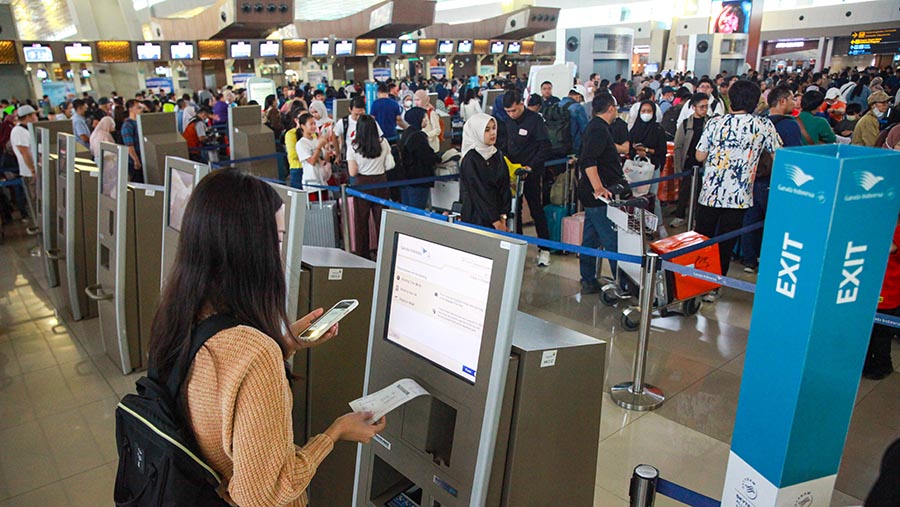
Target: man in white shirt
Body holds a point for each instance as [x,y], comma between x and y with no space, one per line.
[345,128]
[716,106]
[20,139]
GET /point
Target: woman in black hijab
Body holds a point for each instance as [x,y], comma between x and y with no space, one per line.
[647,137]
[417,159]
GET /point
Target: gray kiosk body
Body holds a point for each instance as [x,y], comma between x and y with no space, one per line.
[76,226]
[330,275]
[488,99]
[295,202]
[341,109]
[248,138]
[159,138]
[46,166]
[129,224]
[443,315]
[182,176]
[40,155]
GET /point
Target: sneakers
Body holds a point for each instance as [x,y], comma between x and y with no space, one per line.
[543,259]
[677,222]
[749,269]
[711,297]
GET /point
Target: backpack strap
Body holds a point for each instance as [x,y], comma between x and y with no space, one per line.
[809,140]
[200,334]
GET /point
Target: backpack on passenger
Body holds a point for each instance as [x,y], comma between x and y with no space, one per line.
[670,120]
[159,460]
[558,119]
[881,140]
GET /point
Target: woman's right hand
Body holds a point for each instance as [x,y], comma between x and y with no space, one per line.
[355,427]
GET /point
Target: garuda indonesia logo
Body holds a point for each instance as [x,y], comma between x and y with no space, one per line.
[797,175]
[867,180]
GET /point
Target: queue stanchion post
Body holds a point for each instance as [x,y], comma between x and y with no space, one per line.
[642,490]
[692,203]
[345,222]
[638,395]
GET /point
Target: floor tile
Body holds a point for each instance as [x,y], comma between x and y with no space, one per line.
[50,495]
[839,499]
[66,386]
[26,462]
[604,498]
[93,487]
[613,417]
[708,406]
[9,365]
[15,403]
[72,443]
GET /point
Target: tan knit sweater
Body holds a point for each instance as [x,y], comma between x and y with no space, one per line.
[239,403]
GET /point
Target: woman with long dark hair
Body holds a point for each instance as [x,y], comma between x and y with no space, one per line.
[236,395]
[470,105]
[368,158]
[417,157]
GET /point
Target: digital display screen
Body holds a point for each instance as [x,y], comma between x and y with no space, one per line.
[269,49]
[514,48]
[110,173]
[37,53]
[497,47]
[319,48]
[464,46]
[445,47]
[731,16]
[409,47]
[181,184]
[41,74]
[343,48]
[438,303]
[182,51]
[78,53]
[62,157]
[387,47]
[241,50]
[872,42]
[149,51]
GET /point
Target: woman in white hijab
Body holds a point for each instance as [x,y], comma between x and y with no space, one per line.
[318,110]
[102,134]
[483,175]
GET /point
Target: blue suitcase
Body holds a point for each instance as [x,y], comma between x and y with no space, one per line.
[555,214]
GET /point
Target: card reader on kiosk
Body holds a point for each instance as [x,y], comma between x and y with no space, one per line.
[443,315]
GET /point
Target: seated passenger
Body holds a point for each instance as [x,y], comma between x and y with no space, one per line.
[236,395]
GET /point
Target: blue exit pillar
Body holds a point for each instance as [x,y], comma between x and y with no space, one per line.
[831,216]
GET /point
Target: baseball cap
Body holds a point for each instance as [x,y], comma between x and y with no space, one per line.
[24,111]
[876,97]
[579,89]
[832,94]
[667,89]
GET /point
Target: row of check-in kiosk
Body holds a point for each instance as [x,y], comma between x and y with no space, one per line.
[513,416]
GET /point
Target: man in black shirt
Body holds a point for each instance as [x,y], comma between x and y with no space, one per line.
[528,143]
[601,168]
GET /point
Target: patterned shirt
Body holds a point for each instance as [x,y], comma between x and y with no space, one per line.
[734,143]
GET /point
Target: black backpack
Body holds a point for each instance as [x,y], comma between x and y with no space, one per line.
[558,119]
[159,460]
[670,120]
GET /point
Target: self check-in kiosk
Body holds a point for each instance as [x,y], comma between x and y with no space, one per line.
[159,138]
[295,202]
[38,147]
[250,138]
[129,238]
[444,313]
[182,176]
[76,226]
[438,285]
[46,167]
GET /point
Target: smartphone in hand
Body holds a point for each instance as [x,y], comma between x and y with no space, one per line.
[321,325]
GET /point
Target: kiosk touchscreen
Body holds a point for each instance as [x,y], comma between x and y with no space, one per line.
[250,138]
[129,238]
[443,315]
[159,138]
[182,176]
[76,215]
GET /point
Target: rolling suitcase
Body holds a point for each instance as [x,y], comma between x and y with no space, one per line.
[445,192]
[573,229]
[555,215]
[321,224]
[373,232]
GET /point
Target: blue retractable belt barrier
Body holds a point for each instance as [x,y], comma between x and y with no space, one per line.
[887,320]
[12,183]
[396,205]
[684,495]
[229,163]
[711,241]
[403,183]
[675,176]
[734,283]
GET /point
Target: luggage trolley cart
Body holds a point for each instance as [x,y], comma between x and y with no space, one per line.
[633,223]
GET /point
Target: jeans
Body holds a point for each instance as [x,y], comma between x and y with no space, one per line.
[712,222]
[295,178]
[599,232]
[751,242]
[417,197]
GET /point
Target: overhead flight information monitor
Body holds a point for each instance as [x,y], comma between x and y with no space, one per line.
[497,47]
[319,47]
[464,47]
[343,48]
[241,49]
[182,50]
[387,47]
[149,51]
[514,48]
[38,53]
[269,49]
[437,304]
[79,53]
[445,47]
[409,47]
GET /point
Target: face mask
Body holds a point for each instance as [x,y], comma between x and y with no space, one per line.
[878,114]
[646,116]
[851,118]
[408,104]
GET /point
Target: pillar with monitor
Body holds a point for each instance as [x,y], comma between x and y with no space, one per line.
[182,176]
[443,315]
[159,138]
[249,138]
[129,239]
[76,229]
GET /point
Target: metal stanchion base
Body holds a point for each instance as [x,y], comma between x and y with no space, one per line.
[649,398]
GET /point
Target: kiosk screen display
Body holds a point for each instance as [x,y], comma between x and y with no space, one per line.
[37,54]
[409,47]
[181,184]
[182,51]
[497,47]
[437,304]
[149,51]
[514,48]
[62,158]
[319,48]
[79,53]
[343,48]
[387,47]
[240,50]
[268,49]
[445,47]
[464,46]
[110,171]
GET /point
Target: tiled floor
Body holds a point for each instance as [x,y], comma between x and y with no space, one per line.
[58,391]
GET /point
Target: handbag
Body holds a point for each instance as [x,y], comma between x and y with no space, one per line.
[638,169]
